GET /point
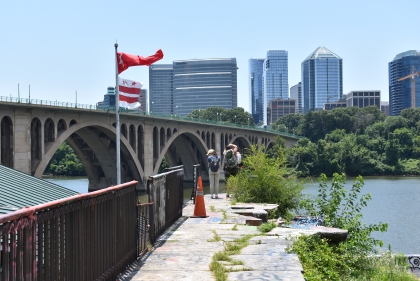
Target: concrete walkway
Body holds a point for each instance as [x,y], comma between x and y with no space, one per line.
[184,252]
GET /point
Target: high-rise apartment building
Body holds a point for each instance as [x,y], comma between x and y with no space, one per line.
[296,94]
[363,98]
[160,88]
[275,79]
[255,68]
[322,79]
[280,107]
[400,91]
[185,85]
[143,100]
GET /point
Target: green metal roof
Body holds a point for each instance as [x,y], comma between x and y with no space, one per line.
[18,190]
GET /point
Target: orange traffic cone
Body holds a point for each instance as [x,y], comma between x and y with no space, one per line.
[199,208]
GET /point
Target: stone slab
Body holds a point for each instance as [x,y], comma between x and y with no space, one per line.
[266,276]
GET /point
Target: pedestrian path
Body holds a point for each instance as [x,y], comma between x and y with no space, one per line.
[184,252]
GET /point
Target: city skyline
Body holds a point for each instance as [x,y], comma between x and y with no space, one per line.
[61,48]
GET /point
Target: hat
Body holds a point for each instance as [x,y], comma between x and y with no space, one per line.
[210,152]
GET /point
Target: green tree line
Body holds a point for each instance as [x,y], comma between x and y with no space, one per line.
[65,163]
[355,141]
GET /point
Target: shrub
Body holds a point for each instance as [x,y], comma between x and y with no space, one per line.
[350,259]
[265,179]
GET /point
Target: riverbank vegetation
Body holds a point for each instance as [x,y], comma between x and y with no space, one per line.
[355,141]
[353,259]
[265,178]
[65,163]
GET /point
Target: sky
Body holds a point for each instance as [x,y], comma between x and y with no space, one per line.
[63,47]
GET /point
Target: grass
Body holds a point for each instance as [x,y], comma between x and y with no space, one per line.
[235,227]
[216,237]
[267,227]
[218,268]
[212,208]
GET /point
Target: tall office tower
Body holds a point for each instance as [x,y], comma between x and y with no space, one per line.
[160,88]
[322,79]
[255,68]
[296,94]
[204,83]
[275,79]
[400,92]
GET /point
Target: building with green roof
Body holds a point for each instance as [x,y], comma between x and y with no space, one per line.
[18,190]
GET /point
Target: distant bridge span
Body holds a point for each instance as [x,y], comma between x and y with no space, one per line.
[32,133]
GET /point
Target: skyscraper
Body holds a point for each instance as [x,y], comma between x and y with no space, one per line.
[322,79]
[185,85]
[160,88]
[296,94]
[255,68]
[204,83]
[275,79]
[400,92]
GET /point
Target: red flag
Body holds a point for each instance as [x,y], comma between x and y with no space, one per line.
[125,60]
[129,93]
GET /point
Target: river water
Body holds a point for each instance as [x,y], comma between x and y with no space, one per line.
[395,200]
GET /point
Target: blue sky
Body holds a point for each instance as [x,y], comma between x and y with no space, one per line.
[60,47]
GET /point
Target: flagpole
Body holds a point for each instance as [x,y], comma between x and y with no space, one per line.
[117,109]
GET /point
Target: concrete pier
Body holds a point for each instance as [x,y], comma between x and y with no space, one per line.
[185,250]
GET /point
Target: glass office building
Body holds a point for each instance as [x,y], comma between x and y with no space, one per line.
[322,79]
[204,83]
[275,79]
[255,68]
[400,91]
[160,88]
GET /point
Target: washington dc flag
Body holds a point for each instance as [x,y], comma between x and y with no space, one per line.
[129,93]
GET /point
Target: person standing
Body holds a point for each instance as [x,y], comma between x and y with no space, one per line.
[232,160]
[213,161]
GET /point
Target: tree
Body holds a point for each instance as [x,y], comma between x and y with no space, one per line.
[235,115]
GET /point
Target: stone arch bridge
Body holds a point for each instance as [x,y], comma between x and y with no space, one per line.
[32,133]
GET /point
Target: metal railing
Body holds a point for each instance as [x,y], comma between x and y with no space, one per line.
[166,191]
[145,217]
[196,174]
[140,112]
[84,237]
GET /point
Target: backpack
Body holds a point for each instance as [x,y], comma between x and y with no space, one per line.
[231,160]
[214,164]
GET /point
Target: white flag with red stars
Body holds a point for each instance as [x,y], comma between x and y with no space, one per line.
[129,93]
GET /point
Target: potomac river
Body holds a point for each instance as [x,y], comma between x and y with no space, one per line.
[395,200]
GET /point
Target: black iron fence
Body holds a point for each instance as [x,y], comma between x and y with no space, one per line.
[166,191]
[85,237]
[144,219]
[196,174]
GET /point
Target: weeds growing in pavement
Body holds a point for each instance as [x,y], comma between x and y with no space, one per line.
[267,227]
[216,237]
[222,260]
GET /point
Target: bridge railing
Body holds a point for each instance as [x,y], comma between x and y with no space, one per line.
[166,191]
[84,237]
[140,112]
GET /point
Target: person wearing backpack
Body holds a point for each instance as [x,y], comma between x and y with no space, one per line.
[213,161]
[232,160]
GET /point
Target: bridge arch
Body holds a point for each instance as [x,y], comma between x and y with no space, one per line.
[185,148]
[6,141]
[94,144]
[36,143]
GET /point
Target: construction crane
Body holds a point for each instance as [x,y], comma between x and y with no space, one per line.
[413,75]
